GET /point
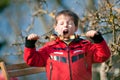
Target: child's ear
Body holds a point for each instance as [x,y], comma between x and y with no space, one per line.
[56,29]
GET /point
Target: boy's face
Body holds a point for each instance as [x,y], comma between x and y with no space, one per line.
[65,26]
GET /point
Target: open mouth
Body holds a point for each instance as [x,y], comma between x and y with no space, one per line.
[65,31]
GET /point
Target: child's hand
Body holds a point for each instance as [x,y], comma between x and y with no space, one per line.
[91,33]
[33,37]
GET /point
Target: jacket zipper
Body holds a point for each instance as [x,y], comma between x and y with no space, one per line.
[69,62]
[51,67]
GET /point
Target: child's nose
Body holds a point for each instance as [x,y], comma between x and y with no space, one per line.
[65,25]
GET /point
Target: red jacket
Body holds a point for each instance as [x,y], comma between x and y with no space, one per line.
[68,62]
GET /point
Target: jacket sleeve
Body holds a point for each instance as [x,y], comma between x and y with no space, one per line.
[34,57]
[99,50]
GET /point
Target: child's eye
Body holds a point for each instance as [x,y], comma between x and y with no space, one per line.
[71,23]
[60,24]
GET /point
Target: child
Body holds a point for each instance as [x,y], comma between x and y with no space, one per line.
[68,57]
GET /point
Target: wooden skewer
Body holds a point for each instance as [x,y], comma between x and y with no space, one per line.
[53,36]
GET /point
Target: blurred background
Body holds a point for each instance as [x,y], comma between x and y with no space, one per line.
[18,18]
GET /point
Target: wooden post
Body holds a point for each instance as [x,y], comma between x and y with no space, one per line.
[4,70]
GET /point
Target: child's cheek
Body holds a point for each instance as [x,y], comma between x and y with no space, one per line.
[59,30]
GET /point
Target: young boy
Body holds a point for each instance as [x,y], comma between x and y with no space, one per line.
[68,57]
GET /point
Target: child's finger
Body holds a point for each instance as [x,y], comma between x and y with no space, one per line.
[91,33]
[33,37]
